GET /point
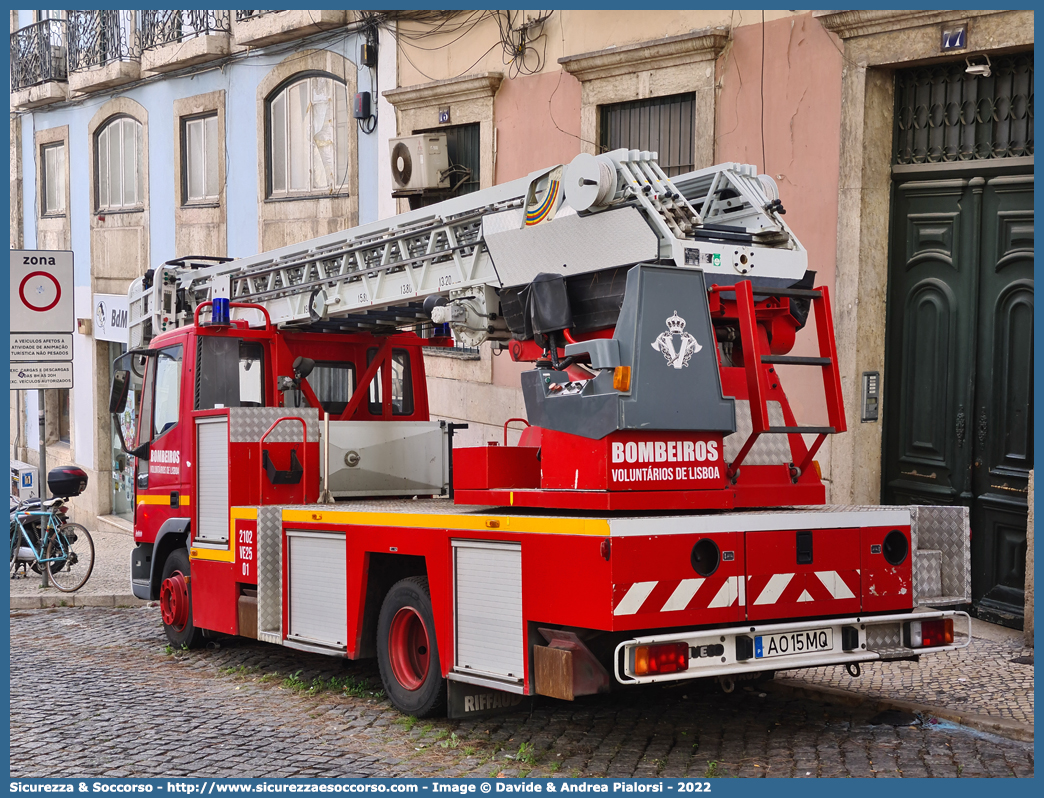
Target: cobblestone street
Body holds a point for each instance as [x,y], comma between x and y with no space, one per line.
[130,706]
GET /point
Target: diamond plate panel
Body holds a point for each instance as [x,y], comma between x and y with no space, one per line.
[927,574]
[947,530]
[270,574]
[896,652]
[884,636]
[248,424]
[770,449]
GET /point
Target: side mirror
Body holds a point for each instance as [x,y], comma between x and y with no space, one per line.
[303,367]
[118,393]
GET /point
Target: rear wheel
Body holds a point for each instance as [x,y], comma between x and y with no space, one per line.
[176,602]
[70,557]
[16,541]
[407,652]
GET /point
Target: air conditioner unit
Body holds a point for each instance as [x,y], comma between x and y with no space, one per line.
[418,162]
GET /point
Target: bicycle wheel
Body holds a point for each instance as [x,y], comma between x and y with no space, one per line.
[16,537]
[70,556]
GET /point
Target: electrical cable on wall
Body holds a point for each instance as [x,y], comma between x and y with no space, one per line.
[370,32]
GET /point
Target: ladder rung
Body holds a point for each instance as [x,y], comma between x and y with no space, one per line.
[801,293]
[796,360]
[809,430]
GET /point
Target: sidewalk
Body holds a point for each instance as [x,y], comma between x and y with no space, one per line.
[108,586]
[979,686]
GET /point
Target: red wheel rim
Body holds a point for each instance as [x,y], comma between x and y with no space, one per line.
[174,601]
[408,648]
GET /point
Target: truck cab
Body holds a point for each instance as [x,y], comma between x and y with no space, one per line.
[191,378]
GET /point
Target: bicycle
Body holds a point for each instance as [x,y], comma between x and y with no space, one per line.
[66,550]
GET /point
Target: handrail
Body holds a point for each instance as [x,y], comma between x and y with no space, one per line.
[251,305]
[304,460]
[508,422]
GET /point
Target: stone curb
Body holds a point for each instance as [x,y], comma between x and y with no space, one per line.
[1011,729]
[74,600]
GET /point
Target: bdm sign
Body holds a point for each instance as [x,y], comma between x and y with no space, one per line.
[111,317]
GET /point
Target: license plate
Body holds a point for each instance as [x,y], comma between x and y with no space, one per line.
[788,643]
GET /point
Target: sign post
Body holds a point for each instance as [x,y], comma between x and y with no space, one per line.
[42,324]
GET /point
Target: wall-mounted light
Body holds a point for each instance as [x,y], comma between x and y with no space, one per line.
[982,70]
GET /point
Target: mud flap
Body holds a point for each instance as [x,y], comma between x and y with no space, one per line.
[477,701]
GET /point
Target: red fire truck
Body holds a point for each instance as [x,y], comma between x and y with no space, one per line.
[661,516]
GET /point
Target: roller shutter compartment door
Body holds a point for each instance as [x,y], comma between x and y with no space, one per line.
[318,588]
[487,588]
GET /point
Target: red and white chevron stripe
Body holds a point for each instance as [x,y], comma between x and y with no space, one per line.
[678,594]
[766,589]
[816,586]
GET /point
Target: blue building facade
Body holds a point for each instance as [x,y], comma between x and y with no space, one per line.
[144,136]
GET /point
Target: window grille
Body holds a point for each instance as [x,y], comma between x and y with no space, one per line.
[944,114]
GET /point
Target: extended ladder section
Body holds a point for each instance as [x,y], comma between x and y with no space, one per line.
[378,275]
[754,360]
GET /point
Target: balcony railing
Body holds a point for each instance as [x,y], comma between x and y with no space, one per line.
[241,15]
[100,37]
[165,27]
[38,54]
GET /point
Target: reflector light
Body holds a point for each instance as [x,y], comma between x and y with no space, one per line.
[622,378]
[661,658]
[928,634]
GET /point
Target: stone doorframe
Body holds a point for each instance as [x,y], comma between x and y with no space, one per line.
[659,68]
[875,44]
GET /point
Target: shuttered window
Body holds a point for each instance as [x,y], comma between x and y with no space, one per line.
[308,138]
[118,149]
[53,195]
[663,125]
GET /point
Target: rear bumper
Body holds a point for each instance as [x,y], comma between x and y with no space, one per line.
[732,651]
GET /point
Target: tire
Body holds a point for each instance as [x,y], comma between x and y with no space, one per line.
[75,548]
[16,540]
[407,652]
[176,602]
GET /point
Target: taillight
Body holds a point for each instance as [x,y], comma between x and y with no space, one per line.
[660,658]
[928,634]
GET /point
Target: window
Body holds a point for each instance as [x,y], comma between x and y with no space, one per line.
[52,194]
[465,160]
[64,432]
[230,373]
[308,138]
[334,384]
[119,162]
[401,384]
[663,125]
[168,390]
[199,156]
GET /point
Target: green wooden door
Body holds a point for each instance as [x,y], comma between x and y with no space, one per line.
[958,366]
[1003,427]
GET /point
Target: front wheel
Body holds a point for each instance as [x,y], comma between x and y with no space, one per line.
[70,557]
[407,652]
[176,602]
